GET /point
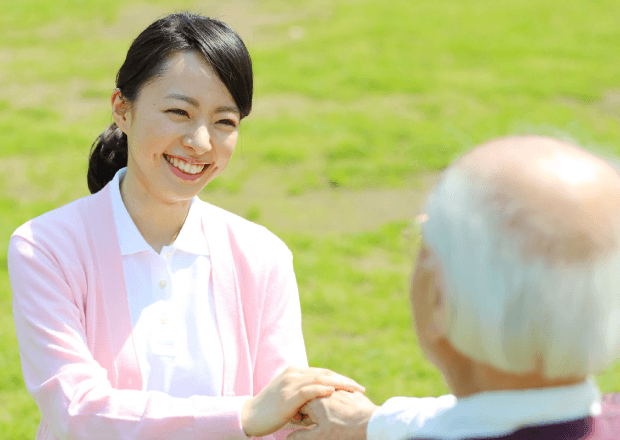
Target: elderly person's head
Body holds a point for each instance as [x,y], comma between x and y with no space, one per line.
[518,279]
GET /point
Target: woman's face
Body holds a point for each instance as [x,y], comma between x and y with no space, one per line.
[181,131]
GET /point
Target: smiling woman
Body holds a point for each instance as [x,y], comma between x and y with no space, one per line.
[141,311]
[181,133]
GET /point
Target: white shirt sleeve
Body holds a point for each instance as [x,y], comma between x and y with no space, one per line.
[399,417]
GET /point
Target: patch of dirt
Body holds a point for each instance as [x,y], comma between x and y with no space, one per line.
[337,210]
[14,181]
[76,107]
[6,55]
[247,17]
[67,99]
[22,96]
[29,179]
[271,106]
[133,19]
[379,259]
[610,102]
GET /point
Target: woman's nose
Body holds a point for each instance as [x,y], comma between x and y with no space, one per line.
[199,140]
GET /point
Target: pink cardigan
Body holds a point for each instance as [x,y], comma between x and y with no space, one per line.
[75,335]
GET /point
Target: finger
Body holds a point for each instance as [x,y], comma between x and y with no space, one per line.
[314,391]
[351,387]
[344,383]
[325,377]
[339,383]
[304,410]
[302,434]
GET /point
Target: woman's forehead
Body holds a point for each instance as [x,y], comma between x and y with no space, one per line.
[189,63]
[188,74]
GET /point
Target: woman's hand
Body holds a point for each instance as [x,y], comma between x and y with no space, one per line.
[281,399]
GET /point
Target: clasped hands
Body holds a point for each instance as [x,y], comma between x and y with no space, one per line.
[332,405]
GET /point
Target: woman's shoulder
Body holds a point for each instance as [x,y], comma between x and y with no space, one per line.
[244,232]
[61,225]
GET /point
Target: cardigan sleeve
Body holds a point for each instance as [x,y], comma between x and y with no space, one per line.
[281,339]
[71,389]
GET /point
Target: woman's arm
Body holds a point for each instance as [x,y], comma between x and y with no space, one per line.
[72,390]
[280,341]
[77,400]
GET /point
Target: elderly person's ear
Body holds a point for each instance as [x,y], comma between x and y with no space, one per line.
[428,297]
[438,327]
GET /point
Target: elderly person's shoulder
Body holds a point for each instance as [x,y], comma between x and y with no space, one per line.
[440,420]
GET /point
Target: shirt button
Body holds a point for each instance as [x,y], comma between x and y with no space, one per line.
[162,284]
[169,255]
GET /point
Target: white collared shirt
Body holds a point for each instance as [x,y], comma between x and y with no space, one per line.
[487,414]
[171,304]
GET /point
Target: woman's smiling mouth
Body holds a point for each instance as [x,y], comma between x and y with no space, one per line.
[184,169]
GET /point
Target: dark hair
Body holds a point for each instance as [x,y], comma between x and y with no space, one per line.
[147,58]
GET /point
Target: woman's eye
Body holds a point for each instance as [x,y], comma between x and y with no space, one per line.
[178,111]
[230,122]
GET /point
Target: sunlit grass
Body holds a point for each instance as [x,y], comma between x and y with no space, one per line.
[350,94]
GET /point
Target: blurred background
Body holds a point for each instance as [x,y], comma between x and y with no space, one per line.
[358,105]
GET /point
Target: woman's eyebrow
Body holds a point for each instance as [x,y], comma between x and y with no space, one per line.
[187,99]
[195,103]
[227,109]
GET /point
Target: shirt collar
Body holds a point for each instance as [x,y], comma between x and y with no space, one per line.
[498,413]
[191,238]
[130,239]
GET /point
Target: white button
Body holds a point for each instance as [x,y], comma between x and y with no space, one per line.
[162,284]
[169,255]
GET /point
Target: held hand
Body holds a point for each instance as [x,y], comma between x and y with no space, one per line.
[281,399]
[343,416]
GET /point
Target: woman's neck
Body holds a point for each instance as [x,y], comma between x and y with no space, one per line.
[159,223]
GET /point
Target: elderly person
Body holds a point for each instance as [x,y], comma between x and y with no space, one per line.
[516,299]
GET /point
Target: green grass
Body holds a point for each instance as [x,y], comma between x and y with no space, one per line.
[373,94]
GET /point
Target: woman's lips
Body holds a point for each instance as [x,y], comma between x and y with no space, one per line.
[183,174]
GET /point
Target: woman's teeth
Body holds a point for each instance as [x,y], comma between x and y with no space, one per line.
[184,166]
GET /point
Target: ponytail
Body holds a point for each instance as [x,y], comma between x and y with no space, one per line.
[107,155]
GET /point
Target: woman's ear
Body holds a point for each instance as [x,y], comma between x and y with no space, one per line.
[120,109]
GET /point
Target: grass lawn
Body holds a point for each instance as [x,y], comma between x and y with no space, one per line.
[358,103]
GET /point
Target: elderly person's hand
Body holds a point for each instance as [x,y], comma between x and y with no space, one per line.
[279,402]
[342,416]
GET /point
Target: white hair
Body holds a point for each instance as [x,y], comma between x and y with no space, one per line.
[511,310]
